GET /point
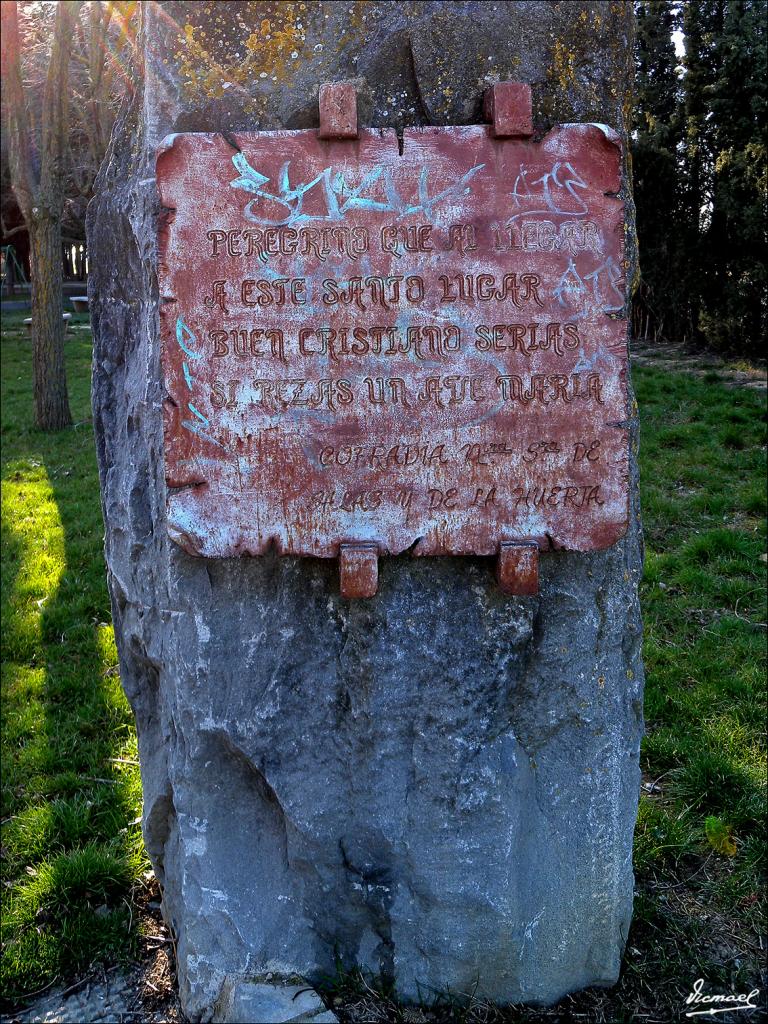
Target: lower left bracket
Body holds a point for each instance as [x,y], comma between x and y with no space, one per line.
[358,570]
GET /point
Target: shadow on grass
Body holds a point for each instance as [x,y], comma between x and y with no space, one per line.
[71,794]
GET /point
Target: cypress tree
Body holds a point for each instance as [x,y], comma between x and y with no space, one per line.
[701,23]
[659,306]
[734,309]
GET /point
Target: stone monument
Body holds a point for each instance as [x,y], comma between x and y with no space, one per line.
[367,453]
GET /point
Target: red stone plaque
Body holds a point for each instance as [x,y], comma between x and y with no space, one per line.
[401,350]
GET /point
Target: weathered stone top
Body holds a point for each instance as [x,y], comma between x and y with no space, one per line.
[253,66]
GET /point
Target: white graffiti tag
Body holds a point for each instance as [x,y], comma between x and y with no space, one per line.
[553,193]
[605,281]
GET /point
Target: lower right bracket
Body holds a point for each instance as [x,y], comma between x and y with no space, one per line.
[518,568]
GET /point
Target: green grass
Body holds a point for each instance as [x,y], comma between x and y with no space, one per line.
[71,796]
[72,854]
[702,465]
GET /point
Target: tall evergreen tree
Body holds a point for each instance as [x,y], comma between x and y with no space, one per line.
[735,302]
[701,173]
[659,308]
[701,24]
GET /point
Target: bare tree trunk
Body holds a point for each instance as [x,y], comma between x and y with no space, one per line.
[37,177]
[10,273]
[51,402]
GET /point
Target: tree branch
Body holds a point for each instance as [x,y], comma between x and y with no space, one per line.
[10,232]
[56,106]
[20,158]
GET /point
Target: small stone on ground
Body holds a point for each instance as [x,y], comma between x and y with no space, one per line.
[272,1003]
[126,997]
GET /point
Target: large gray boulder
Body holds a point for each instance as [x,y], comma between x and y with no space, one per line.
[438,784]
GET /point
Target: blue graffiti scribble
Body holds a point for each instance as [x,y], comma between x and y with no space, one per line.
[198,460]
[184,335]
[340,197]
[355,200]
[199,415]
[182,332]
[249,180]
[195,429]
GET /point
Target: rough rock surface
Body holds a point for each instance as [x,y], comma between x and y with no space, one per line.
[439,784]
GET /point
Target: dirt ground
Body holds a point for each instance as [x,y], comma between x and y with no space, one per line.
[678,359]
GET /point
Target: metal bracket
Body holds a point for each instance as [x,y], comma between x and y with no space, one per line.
[518,568]
[508,107]
[338,110]
[358,570]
